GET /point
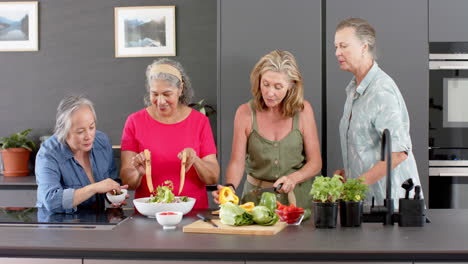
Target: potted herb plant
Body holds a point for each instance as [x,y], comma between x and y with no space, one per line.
[351,204]
[325,193]
[203,108]
[16,150]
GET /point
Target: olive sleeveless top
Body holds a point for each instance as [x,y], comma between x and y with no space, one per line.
[268,160]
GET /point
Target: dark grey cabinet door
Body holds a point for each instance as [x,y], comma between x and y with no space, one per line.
[402,51]
[448,20]
[249,29]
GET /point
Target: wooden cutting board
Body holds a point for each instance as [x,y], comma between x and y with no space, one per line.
[203,227]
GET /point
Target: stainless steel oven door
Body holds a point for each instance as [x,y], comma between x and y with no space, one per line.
[448,109]
[448,184]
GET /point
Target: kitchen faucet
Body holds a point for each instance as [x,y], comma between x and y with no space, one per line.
[386,148]
[412,211]
[384,213]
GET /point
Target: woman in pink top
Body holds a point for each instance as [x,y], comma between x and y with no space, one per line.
[167,127]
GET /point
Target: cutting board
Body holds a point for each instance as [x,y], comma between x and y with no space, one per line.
[203,227]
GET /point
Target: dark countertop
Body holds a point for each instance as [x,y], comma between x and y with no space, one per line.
[445,239]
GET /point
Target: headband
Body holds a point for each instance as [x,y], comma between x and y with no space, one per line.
[166,68]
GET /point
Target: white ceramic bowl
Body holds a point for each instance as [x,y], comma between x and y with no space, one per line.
[169,219]
[117,199]
[150,209]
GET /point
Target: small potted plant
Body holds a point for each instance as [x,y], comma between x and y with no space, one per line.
[16,150]
[325,192]
[351,204]
[203,108]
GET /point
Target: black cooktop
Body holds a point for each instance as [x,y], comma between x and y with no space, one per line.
[30,215]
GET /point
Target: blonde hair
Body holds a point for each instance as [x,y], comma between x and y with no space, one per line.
[283,62]
[364,31]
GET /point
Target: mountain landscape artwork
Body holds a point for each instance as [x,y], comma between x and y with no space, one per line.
[145,31]
[150,33]
[19,26]
[14,26]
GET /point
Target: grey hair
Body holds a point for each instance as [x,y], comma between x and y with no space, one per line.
[364,31]
[187,91]
[66,108]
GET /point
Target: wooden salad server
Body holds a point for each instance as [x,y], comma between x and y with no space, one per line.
[182,171]
[149,180]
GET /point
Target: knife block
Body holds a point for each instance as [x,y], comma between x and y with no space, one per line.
[412,212]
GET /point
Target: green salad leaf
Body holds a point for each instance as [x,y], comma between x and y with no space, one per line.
[232,214]
[164,194]
[264,216]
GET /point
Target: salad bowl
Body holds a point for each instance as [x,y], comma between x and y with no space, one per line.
[149,209]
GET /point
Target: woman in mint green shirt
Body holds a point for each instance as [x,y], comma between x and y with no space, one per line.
[373,104]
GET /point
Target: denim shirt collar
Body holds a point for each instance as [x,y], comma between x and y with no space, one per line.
[65,152]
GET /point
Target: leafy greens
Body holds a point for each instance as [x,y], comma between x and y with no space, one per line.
[232,214]
[164,194]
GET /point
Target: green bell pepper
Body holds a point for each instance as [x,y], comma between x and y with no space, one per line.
[268,200]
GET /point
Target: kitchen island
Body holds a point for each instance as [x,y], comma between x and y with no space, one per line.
[140,238]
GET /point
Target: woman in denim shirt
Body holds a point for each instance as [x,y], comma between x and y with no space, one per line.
[75,167]
[373,103]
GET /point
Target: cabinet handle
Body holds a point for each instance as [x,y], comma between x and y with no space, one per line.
[457,174]
[453,67]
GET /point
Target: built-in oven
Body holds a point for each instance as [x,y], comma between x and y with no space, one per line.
[448,125]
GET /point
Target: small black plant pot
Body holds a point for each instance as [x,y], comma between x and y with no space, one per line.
[351,213]
[325,214]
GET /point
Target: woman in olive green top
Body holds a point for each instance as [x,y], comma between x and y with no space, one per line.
[275,137]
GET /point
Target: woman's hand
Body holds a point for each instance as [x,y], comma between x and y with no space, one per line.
[216,193]
[123,202]
[139,162]
[106,185]
[341,172]
[288,184]
[191,156]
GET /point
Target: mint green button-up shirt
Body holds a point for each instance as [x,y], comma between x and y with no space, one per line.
[376,104]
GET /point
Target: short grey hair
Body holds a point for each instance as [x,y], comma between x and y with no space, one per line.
[364,31]
[187,92]
[66,108]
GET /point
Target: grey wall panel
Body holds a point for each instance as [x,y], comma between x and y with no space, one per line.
[250,29]
[448,20]
[402,50]
[76,55]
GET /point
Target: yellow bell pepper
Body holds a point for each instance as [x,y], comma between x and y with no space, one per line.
[248,206]
[227,195]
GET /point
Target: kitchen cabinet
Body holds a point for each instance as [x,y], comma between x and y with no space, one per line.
[39,261]
[249,29]
[448,20]
[18,198]
[402,52]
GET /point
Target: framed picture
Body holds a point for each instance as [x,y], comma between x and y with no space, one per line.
[18,26]
[145,31]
